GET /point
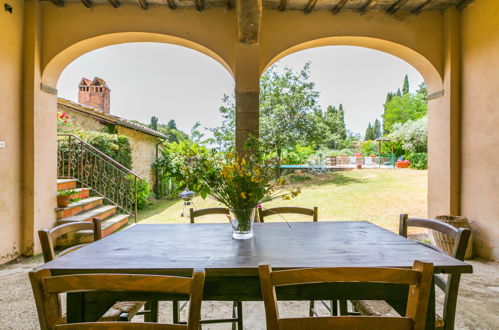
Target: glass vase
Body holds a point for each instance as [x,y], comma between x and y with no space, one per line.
[242,222]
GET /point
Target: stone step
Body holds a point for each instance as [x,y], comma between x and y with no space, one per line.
[66,184]
[82,192]
[102,212]
[109,226]
[75,208]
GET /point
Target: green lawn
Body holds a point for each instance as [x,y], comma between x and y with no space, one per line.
[376,195]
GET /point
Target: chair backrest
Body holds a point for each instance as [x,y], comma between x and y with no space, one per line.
[461,236]
[449,286]
[214,210]
[418,278]
[288,209]
[46,290]
[48,237]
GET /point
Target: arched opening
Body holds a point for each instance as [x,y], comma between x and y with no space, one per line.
[348,75]
[139,94]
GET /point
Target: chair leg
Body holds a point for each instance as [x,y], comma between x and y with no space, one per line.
[176,312]
[147,312]
[311,308]
[343,307]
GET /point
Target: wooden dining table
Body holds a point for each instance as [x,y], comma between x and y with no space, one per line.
[232,265]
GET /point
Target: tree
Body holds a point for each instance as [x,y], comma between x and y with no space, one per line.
[288,112]
[196,135]
[369,133]
[154,123]
[377,129]
[405,88]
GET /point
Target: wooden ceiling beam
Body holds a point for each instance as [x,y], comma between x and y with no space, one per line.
[171,4]
[87,3]
[249,18]
[143,4]
[338,7]
[115,3]
[396,6]
[283,4]
[200,4]
[310,6]
[229,4]
[368,5]
[463,4]
[58,3]
[420,8]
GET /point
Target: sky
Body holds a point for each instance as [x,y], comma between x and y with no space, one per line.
[174,82]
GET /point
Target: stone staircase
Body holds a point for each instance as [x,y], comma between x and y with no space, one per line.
[87,208]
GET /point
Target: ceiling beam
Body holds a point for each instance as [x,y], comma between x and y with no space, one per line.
[171,4]
[200,5]
[396,6]
[310,6]
[420,8]
[115,3]
[87,3]
[229,4]
[58,3]
[461,5]
[143,4]
[338,7]
[368,5]
[283,4]
[249,18]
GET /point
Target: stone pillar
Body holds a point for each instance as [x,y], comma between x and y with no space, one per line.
[444,126]
[39,157]
[247,91]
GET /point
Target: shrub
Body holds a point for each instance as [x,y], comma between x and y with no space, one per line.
[143,192]
[115,146]
[419,160]
[297,156]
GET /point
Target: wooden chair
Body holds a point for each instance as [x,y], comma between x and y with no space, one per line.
[214,210]
[289,209]
[418,278]
[449,286]
[46,290]
[237,306]
[331,306]
[123,310]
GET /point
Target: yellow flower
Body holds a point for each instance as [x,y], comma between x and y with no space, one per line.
[243,195]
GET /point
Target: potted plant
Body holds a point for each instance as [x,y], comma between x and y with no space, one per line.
[64,197]
[359,165]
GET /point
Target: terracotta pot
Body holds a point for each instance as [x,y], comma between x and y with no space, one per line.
[63,201]
[359,166]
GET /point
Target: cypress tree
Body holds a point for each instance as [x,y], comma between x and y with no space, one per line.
[405,89]
[369,133]
[154,123]
[377,129]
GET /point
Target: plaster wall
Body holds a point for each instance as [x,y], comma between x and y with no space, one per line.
[143,152]
[480,133]
[11,48]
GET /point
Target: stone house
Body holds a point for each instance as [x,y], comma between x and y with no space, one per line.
[92,113]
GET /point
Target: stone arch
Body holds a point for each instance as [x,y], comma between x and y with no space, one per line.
[54,67]
[430,74]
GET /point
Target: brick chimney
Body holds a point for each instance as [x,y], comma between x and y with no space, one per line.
[94,93]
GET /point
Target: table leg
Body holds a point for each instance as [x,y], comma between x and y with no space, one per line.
[87,306]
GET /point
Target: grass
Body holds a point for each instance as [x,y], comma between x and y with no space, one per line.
[374,195]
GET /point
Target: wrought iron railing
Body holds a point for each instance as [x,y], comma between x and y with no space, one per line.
[76,159]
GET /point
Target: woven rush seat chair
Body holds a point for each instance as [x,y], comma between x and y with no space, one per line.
[237,306]
[262,213]
[46,290]
[121,310]
[418,278]
[449,286]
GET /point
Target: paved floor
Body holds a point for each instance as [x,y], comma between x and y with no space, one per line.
[478,304]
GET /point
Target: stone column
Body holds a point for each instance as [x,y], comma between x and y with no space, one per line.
[39,155]
[444,126]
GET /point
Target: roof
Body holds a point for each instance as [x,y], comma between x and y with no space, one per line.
[335,6]
[108,118]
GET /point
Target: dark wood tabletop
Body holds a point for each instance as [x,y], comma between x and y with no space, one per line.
[177,248]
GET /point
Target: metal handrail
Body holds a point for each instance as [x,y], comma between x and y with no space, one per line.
[96,170]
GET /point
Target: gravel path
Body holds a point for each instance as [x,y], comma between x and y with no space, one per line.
[478,303]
